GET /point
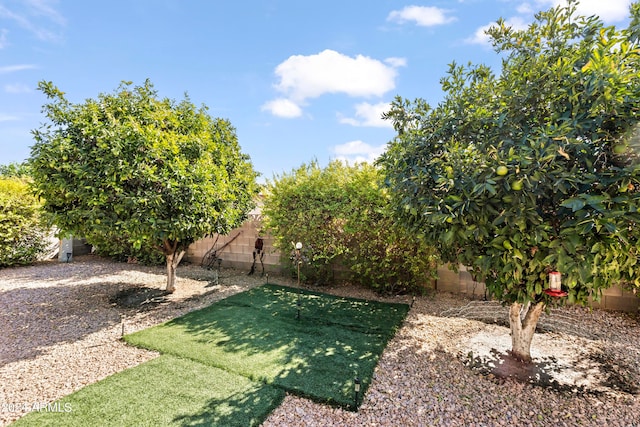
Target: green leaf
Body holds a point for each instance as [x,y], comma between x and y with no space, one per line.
[574,203]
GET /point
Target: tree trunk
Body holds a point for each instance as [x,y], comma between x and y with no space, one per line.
[523,320]
[174,256]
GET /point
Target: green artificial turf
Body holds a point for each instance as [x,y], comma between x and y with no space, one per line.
[167,391]
[257,334]
[230,363]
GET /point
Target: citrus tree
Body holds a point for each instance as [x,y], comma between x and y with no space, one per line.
[131,167]
[531,171]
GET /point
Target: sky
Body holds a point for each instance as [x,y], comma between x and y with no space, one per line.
[300,81]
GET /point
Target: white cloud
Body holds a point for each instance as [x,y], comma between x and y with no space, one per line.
[283,108]
[17,88]
[424,16]
[525,9]
[37,17]
[3,38]
[396,62]
[329,72]
[13,68]
[303,77]
[481,37]
[608,11]
[358,152]
[368,115]
[46,8]
[8,118]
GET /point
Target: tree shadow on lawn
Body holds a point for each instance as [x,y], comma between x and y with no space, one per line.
[258,334]
[240,409]
[167,390]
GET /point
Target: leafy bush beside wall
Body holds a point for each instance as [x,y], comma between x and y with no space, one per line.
[23,237]
[340,215]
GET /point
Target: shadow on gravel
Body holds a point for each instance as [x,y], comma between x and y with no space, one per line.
[139,297]
[609,372]
[52,303]
[34,319]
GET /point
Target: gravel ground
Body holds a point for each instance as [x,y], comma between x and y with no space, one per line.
[61,329]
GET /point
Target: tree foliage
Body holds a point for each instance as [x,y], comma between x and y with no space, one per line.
[23,236]
[562,117]
[339,214]
[121,249]
[145,171]
[15,170]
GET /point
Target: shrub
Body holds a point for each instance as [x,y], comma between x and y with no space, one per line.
[391,260]
[23,237]
[339,214]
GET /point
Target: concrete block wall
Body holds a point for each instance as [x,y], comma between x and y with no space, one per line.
[80,247]
[240,245]
[238,254]
[614,298]
[458,283]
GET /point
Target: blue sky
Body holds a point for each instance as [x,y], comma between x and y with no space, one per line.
[299,80]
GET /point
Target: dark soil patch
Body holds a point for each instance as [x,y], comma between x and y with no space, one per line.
[139,297]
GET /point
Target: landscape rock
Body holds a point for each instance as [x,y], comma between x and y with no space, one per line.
[62,323]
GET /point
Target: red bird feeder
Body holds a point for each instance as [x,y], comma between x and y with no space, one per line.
[555,285]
